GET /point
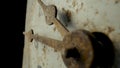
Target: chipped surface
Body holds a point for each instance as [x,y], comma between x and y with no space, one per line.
[92,15]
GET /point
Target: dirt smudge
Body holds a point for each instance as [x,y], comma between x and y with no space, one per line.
[96,12]
[109,29]
[117,1]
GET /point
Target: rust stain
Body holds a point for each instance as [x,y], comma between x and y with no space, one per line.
[74,3]
[108,30]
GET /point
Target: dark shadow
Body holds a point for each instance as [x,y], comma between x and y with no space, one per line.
[73,52]
[103,50]
[65,17]
[33,34]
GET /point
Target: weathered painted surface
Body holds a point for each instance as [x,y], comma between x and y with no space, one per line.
[92,15]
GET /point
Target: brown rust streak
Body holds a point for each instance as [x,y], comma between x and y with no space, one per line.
[50,14]
[48,41]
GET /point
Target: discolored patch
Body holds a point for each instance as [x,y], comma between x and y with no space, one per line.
[117,1]
[109,29]
[44,50]
[82,4]
[54,29]
[97,12]
[67,14]
[74,3]
[39,66]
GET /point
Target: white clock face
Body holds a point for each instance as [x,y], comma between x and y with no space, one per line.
[92,15]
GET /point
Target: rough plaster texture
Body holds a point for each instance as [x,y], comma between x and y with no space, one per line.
[92,15]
